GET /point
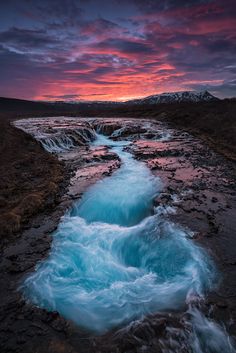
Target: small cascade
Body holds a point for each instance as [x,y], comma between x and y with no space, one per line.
[119,132]
[207,336]
[64,141]
[58,134]
[57,144]
[106,128]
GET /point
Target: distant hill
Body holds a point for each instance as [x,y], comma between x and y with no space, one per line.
[21,105]
[176,97]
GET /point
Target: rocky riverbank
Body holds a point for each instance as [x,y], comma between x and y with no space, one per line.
[199,193]
[31,181]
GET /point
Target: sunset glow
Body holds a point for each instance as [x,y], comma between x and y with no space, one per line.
[110,50]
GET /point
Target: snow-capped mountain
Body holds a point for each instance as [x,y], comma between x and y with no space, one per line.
[176,97]
[171,97]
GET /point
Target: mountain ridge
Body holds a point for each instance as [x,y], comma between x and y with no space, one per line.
[175,97]
[165,97]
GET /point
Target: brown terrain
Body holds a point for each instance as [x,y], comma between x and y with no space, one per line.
[30,179]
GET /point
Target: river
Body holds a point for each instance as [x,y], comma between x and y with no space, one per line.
[116,258]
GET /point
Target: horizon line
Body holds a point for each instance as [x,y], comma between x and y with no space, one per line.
[112,101]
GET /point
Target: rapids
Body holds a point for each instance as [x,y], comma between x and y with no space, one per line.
[115,258]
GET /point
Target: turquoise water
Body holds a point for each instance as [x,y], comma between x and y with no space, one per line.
[114,259]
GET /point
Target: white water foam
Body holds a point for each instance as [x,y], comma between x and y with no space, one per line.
[113,260]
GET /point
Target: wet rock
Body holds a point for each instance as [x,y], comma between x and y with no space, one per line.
[222,304]
[108,127]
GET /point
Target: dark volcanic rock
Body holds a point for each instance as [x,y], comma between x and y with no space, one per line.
[107,127]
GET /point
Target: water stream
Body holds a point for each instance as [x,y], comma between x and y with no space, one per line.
[115,258]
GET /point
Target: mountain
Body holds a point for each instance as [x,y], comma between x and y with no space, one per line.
[170,97]
[175,97]
[63,107]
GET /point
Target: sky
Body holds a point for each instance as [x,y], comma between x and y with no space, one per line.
[116,49]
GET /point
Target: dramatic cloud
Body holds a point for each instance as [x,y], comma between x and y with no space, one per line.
[110,49]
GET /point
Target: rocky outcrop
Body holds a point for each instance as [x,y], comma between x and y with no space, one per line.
[106,126]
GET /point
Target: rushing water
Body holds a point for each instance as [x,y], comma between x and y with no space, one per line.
[115,259]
